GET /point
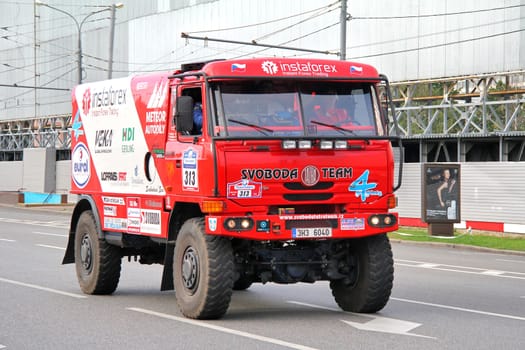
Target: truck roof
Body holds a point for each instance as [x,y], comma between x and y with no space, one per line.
[283,67]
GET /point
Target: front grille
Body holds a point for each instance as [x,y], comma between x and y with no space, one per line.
[297,186]
[304,209]
[293,197]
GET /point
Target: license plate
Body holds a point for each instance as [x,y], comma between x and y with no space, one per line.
[317,232]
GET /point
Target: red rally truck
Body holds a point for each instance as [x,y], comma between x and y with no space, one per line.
[288,177]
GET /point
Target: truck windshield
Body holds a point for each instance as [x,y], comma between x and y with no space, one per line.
[286,109]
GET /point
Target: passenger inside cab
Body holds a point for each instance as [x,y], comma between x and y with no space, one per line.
[196,94]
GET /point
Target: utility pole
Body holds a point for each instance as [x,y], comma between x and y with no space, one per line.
[343,31]
[111,41]
[79,29]
[35,17]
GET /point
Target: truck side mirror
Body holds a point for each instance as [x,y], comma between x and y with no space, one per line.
[184,114]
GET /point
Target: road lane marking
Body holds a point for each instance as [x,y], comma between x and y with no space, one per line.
[2,346]
[49,234]
[222,329]
[471,272]
[512,261]
[51,246]
[7,240]
[485,313]
[376,324]
[45,289]
[428,265]
[313,306]
[493,272]
[388,325]
[460,269]
[57,224]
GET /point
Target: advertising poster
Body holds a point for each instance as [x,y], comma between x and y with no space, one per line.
[441,193]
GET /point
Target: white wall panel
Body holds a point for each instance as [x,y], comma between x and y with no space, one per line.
[39,173]
[11,174]
[63,176]
[493,192]
[409,195]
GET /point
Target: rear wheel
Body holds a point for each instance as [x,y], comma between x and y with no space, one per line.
[97,262]
[202,272]
[371,274]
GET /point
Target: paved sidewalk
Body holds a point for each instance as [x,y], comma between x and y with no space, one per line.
[11,199]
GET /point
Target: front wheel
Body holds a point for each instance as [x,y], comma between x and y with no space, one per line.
[97,262]
[371,274]
[202,272]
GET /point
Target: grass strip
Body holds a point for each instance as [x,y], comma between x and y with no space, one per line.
[502,241]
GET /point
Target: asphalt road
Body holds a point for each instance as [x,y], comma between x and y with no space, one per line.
[443,298]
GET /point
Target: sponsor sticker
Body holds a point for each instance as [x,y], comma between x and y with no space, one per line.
[113,200]
[81,168]
[299,68]
[212,224]
[115,223]
[245,189]
[362,188]
[150,221]
[110,210]
[133,214]
[353,224]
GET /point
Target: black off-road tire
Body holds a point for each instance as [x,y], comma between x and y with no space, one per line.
[202,272]
[97,262]
[370,290]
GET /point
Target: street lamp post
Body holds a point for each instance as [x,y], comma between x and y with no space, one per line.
[79,25]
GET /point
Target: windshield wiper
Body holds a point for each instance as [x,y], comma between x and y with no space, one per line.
[259,128]
[335,127]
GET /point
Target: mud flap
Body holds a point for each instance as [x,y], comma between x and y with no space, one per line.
[167,271]
[69,256]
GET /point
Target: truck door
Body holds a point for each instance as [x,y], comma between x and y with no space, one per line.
[184,149]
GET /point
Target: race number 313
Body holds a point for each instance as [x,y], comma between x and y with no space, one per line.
[190,170]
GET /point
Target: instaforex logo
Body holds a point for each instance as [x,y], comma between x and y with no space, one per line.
[299,68]
[107,97]
[269,67]
[103,101]
[86,102]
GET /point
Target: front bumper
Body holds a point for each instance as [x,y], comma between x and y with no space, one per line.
[302,226]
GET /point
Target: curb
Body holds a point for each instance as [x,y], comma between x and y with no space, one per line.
[58,208]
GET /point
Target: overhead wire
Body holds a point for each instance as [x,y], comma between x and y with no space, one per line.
[13,68]
[438,45]
[437,14]
[54,78]
[322,11]
[259,23]
[317,12]
[434,33]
